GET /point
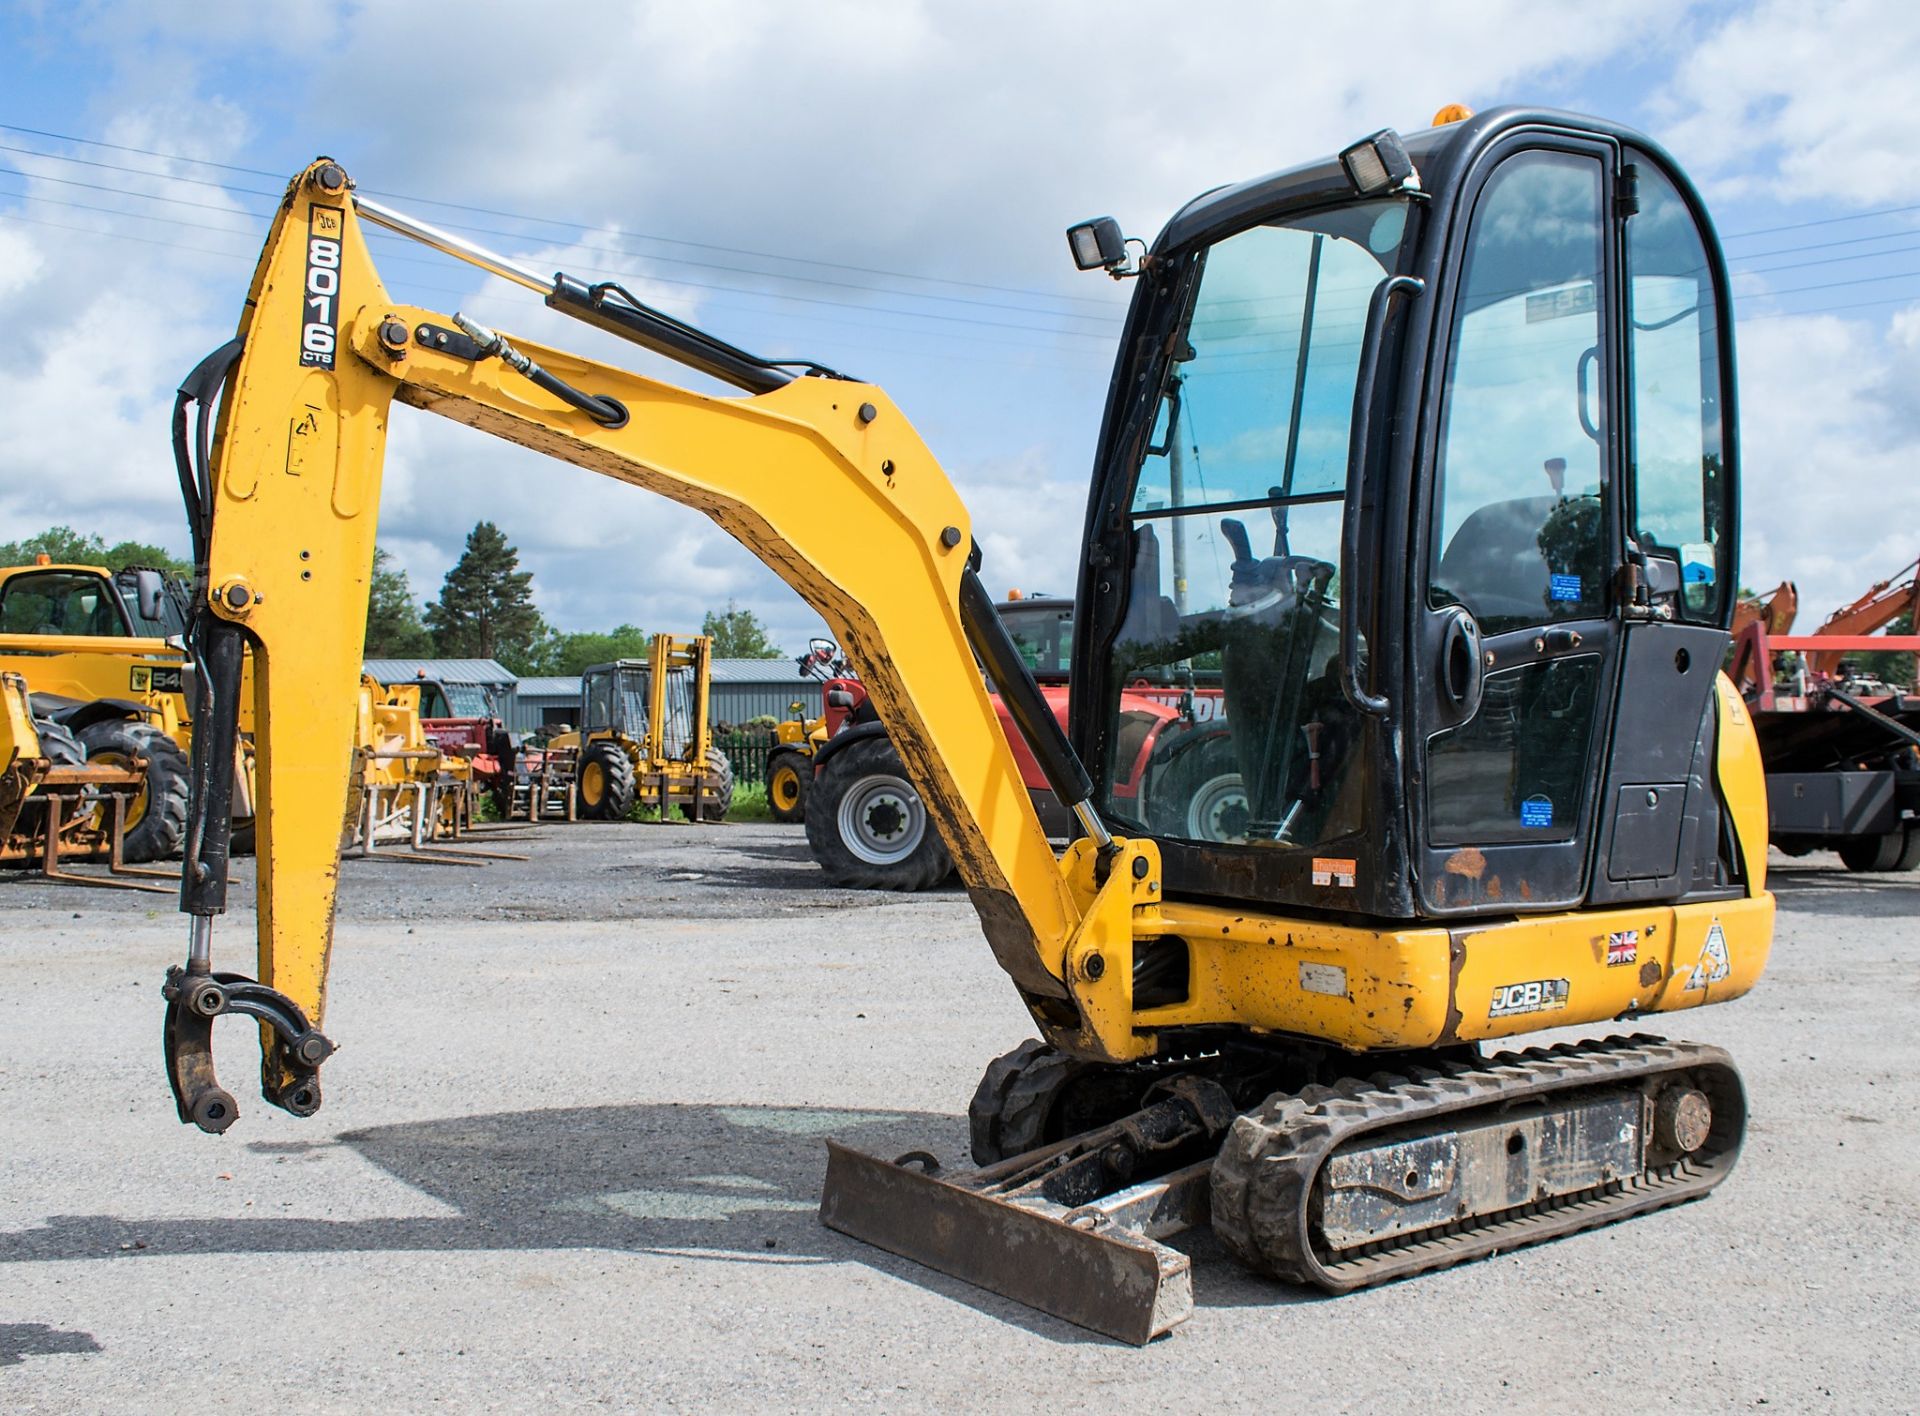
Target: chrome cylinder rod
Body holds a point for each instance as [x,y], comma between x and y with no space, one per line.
[417,230]
[200,945]
[1095,828]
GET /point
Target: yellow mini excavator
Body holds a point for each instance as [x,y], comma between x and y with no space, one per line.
[1414,506]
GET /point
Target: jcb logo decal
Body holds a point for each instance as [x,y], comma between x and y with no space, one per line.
[320,333]
[1542,995]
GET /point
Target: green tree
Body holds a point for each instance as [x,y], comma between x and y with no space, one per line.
[738,634]
[64,544]
[486,609]
[394,627]
[575,652]
[1892,666]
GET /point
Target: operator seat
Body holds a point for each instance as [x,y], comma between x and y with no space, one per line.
[1494,566]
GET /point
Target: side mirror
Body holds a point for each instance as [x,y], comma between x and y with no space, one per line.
[1097,244]
[150,594]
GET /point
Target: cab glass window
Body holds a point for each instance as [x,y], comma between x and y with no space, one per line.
[59,602]
[1680,491]
[1043,633]
[1227,721]
[1521,534]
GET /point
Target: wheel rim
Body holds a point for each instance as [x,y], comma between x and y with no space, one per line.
[785,789]
[136,808]
[593,783]
[1218,810]
[881,820]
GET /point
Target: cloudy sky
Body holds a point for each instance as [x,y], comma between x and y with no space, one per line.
[882,186]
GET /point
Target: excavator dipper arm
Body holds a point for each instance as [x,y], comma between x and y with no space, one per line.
[822,478]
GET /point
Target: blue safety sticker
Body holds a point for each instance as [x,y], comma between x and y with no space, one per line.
[1536,811]
[1698,563]
[1563,587]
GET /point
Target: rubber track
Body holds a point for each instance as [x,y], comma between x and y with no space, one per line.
[1264,1176]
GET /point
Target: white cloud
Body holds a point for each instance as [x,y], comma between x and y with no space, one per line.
[1803,101]
[1827,431]
[948,140]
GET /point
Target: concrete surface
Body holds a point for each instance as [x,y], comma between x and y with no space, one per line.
[569,1160]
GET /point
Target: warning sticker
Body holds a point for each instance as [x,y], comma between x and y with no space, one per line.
[1623,947]
[1714,965]
[1542,995]
[1330,870]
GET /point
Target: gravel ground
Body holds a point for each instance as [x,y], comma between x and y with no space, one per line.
[572,1149]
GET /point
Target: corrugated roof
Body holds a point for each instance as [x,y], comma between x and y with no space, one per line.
[548,687]
[780,671]
[487,671]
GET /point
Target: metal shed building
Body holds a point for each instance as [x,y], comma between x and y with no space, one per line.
[545,702]
[456,674]
[743,689]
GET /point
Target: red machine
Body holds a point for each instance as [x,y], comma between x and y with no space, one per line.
[1839,745]
[866,824]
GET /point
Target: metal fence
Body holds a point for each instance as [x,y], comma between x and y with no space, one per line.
[747,750]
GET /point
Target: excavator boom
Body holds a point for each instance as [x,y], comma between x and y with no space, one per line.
[823,478]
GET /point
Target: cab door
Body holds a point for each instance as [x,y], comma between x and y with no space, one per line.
[1516,638]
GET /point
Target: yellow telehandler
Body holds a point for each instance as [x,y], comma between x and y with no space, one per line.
[103,655]
[645,736]
[1418,469]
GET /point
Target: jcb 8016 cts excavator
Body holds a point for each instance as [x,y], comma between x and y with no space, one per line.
[1423,456]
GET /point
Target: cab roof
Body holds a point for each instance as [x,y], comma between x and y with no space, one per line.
[1440,155]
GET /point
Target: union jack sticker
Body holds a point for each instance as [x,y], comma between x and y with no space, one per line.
[1623,947]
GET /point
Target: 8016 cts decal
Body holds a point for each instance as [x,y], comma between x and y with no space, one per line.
[321,331]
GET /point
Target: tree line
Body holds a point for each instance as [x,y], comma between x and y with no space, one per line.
[485,608]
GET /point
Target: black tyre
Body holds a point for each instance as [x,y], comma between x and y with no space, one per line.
[1910,852]
[58,745]
[720,777]
[867,825]
[1874,853]
[1198,794]
[157,817]
[604,786]
[789,775]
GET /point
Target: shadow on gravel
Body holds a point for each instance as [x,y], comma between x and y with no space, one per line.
[19,1341]
[730,1184]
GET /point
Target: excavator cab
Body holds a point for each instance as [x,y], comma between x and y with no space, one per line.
[1396,721]
[1436,479]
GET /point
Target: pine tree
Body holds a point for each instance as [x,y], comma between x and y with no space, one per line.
[738,634]
[486,609]
[394,629]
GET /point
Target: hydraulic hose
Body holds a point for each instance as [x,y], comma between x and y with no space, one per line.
[607,412]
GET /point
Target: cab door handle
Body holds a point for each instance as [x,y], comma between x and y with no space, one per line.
[1463,672]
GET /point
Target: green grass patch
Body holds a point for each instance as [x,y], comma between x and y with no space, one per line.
[749,804]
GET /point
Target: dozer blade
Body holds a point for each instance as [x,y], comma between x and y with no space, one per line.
[1095,1264]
